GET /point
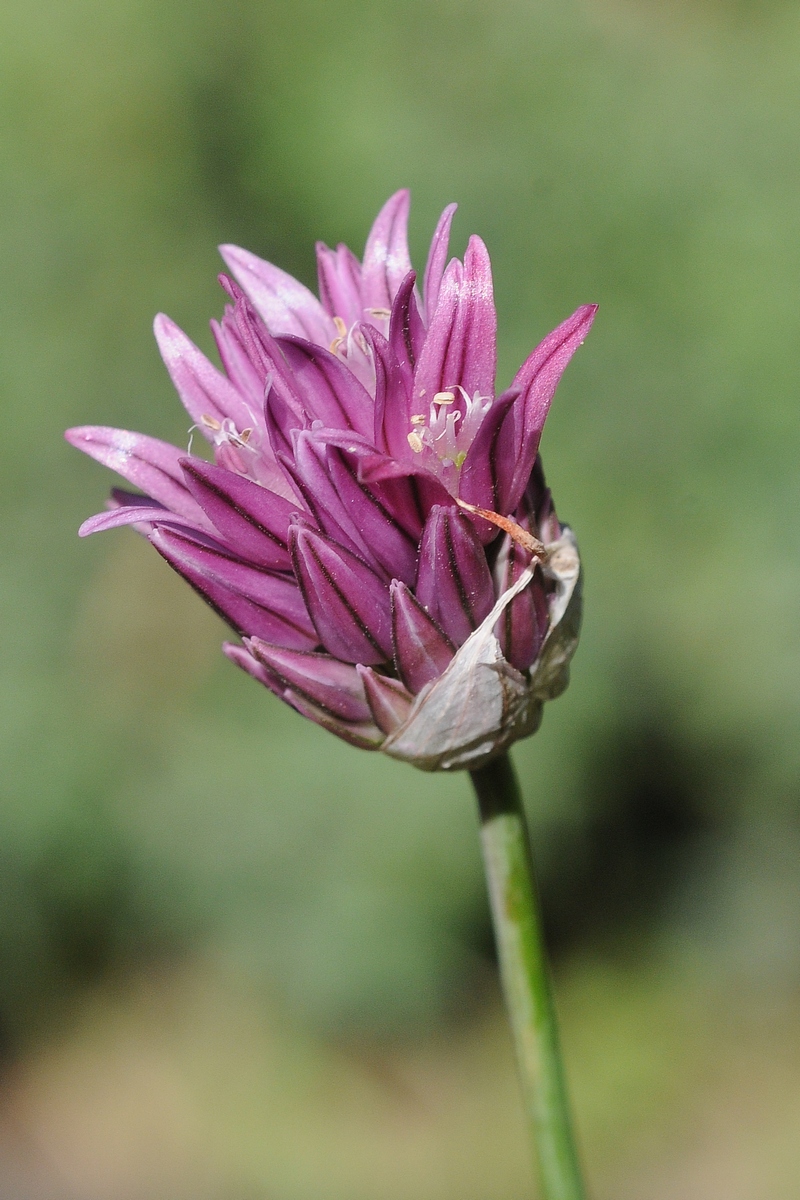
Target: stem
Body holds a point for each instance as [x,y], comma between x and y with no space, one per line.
[524,973]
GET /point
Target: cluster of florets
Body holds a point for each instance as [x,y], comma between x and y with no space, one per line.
[375,524]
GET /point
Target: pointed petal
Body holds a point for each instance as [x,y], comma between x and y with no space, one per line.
[364,735]
[388,543]
[461,347]
[310,471]
[454,583]
[538,502]
[250,518]
[429,375]
[392,406]
[326,682]
[282,421]
[406,330]
[421,650]
[522,628]
[147,463]
[389,701]
[261,348]
[204,391]
[386,259]
[339,274]
[239,368]
[252,601]
[376,467]
[329,391]
[284,304]
[346,600]
[537,379]
[486,474]
[394,499]
[437,258]
[239,655]
[131,514]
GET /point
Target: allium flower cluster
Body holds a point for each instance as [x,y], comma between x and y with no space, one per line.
[375,523]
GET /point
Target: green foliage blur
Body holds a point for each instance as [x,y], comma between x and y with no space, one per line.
[158,804]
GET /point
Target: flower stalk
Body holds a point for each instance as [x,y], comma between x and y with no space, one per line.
[525,977]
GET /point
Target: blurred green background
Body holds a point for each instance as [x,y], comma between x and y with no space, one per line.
[238,959]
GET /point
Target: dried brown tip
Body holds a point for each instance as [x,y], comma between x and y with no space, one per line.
[514,531]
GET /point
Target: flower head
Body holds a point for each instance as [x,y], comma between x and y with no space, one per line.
[375,523]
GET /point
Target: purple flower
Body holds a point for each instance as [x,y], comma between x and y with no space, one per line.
[375,524]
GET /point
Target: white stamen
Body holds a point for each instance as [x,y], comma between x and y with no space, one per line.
[448,433]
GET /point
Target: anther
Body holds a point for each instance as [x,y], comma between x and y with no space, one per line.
[341,330]
[415,442]
[210,422]
[443,398]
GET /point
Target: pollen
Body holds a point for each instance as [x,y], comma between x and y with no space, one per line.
[415,442]
[444,398]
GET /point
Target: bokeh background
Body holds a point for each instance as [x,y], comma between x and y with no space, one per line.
[240,960]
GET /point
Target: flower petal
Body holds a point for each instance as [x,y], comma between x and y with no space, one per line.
[131,514]
[339,274]
[406,330]
[437,257]
[537,379]
[454,583]
[389,701]
[262,348]
[421,650]
[346,600]
[310,471]
[244,659]
[362,734]
[329,391]
[388,543]
[522,628]
[252,601]
[333,685]
[386,258]
[146,462]
[239,367]
[461,347]
[284,304]
[392,406]
[204,391]
[485,474]
[252,519]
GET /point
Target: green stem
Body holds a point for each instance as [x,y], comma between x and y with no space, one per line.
[524,973]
